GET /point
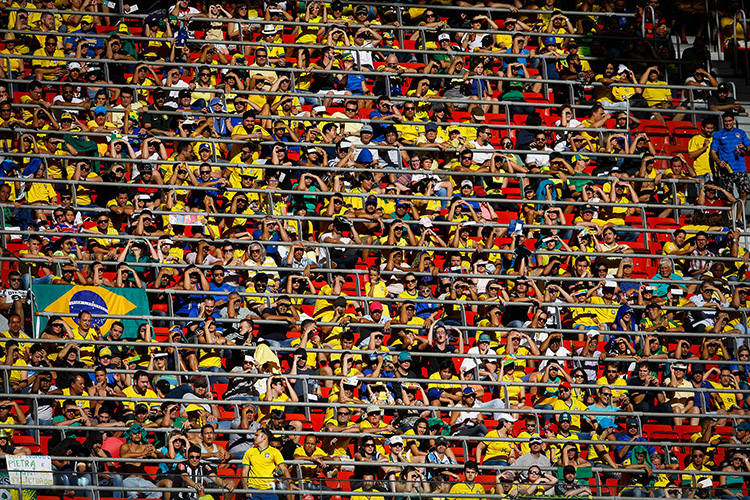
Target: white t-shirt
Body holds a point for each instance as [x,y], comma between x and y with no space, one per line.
[58,100]
[481,156]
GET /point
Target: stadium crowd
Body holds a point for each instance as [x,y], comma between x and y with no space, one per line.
[421,250]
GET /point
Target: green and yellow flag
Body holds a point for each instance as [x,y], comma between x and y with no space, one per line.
[98,300]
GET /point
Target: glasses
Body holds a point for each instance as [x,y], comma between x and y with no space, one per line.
[218,274]
[612,371]
[205,172]
[351,110]
[407,108]
[369,444]
[102,221]
[346,414]
[578,375]
[204,74]
[606,393]
[194,456]
[411,281]
[534,472]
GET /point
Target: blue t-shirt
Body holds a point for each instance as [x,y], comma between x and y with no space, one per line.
[623,436]
[726,143]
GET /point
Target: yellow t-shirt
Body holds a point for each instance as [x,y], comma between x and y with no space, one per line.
[655,96]
[728,398]
[464,489]
[616,393]
[263,464]
[701,164]
[48,63]
[316,453]
[497,450]
[150,398]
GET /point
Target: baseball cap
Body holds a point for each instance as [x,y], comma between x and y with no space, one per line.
[351,381]
[723,87]
[366,129]
[74,65]
[467,182]
[100,110]
[633,421]
[507,417]
[373,409]
[469,390]
[87,19]
[592,333]
[509,359]
[565,417]
[535,440]
[404,356]
[66,116]
[610,284]
[587,208]
[444,37]
[395,440]
[376,306]
[249,358]
[550,40]
[371,200]
[431,126]
[564,385]
[743,426]
[105,351]
[441,441]
[484,337]
[339,302]
[579,157]
[680,366]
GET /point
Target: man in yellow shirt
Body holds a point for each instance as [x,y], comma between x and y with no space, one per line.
[49,69]
[612,378]
[259,465]
[139,392]
[699,149]
[374,424]
[468,486]
[566,402]
[310,451]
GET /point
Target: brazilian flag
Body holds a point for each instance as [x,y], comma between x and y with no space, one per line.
[98,300]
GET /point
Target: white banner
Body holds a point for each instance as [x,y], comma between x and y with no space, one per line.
[33,470]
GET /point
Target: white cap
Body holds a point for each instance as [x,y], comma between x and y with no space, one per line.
[610,284]
[249,358]
[269,29]
[319,109]
[507,417]
[142,197]
[592,333]
[167,241]
[351,381]
[395,440]
[374,409]
[622,68]
[345,144]
[467,182]
[425,222]
[444,36]
[74,65]
[677,291]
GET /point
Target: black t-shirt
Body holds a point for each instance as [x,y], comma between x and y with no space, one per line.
[276,331]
